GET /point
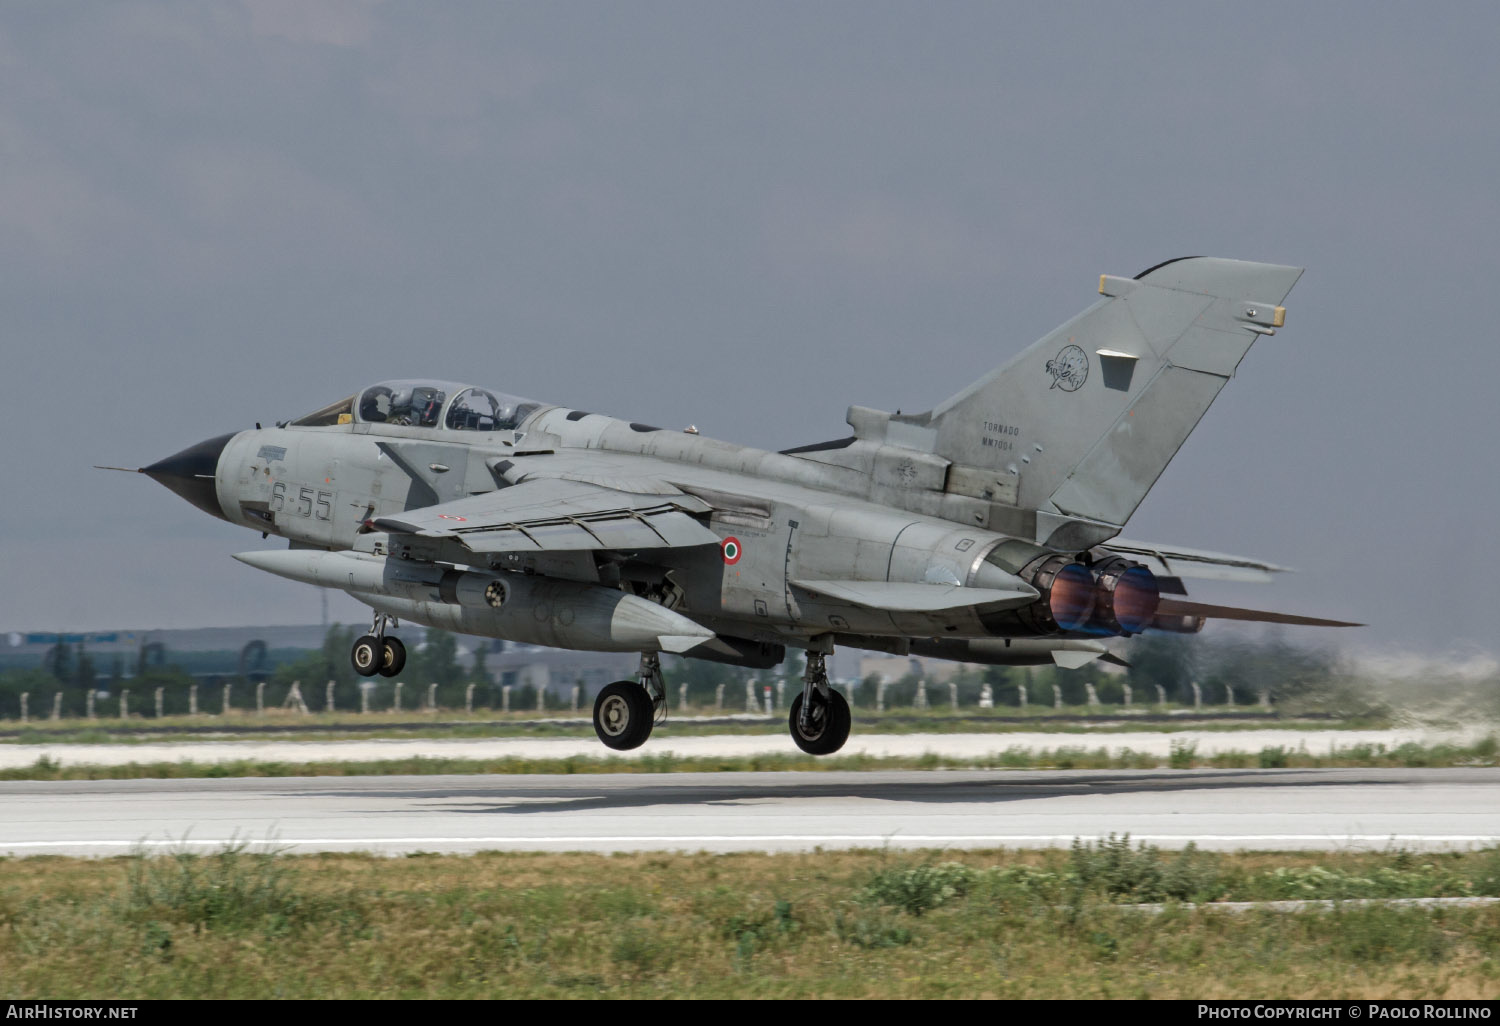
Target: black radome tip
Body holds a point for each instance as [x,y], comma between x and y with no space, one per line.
[190,473]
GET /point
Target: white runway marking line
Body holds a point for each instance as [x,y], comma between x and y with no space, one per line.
[855,839]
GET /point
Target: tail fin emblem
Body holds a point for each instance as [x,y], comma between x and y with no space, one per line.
[1070,369]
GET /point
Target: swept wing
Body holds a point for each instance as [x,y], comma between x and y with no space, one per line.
[558,515]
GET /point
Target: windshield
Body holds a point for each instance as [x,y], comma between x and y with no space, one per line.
[333,413]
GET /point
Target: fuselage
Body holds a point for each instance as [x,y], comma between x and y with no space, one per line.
[781,519]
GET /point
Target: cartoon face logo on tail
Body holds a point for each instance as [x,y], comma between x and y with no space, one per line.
[1070,369]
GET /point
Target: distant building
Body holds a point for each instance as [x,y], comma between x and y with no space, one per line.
[556,670]
[205,652]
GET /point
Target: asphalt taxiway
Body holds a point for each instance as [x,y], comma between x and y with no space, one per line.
[1264,809]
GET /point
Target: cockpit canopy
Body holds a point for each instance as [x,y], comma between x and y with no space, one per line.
[422,403]
[406,403]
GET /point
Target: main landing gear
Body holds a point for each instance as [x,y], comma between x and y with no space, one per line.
[820,718]
[625,711]
[377,654]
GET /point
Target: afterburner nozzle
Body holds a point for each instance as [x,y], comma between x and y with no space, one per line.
[1067,593]
[1126,597]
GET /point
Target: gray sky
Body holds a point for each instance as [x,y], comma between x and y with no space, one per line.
[746,217]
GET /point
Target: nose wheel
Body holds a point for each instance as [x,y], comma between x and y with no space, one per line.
[827,725]
[820,717]
[375,654]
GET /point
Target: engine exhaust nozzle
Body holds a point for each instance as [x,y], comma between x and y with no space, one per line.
[1126,596]
[1067,594]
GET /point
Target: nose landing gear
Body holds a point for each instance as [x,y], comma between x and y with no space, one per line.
[820,717]
[377,654]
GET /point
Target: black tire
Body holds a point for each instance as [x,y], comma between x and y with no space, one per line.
[828,725]
[393,659]
[366,656]
[623,715]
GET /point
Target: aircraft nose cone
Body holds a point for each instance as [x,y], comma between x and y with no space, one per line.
[190,473]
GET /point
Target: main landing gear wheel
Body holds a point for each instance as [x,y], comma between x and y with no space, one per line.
[828,722]
[623,715]
[367,656]
[393,657]
[377,654]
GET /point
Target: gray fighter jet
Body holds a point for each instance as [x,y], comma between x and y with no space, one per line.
[983,530]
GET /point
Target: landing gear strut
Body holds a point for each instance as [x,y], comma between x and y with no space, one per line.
[625,711]
[377,654]
[820,718]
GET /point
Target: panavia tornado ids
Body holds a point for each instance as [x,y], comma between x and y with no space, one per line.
[984,530]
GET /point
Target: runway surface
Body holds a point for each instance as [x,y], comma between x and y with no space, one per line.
[1435,809]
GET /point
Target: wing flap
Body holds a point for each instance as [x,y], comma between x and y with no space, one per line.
[916,598]
[557,515]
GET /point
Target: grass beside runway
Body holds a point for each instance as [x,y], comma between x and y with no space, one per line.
[1484,752]
[870,924]
[447,724]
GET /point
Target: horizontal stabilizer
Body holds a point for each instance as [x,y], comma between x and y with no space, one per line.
[917,598]
[1178,607]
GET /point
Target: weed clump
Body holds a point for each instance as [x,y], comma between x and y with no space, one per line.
[758,928]
[1116,871]
[762,925]
[1404,878]
[231,890]
[871,931]
[1374,934]
[640,952]
[917,889]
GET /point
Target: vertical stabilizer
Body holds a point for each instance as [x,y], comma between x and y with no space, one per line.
[1084,421]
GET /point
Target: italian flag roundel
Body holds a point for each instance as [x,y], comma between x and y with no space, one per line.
[732,550]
